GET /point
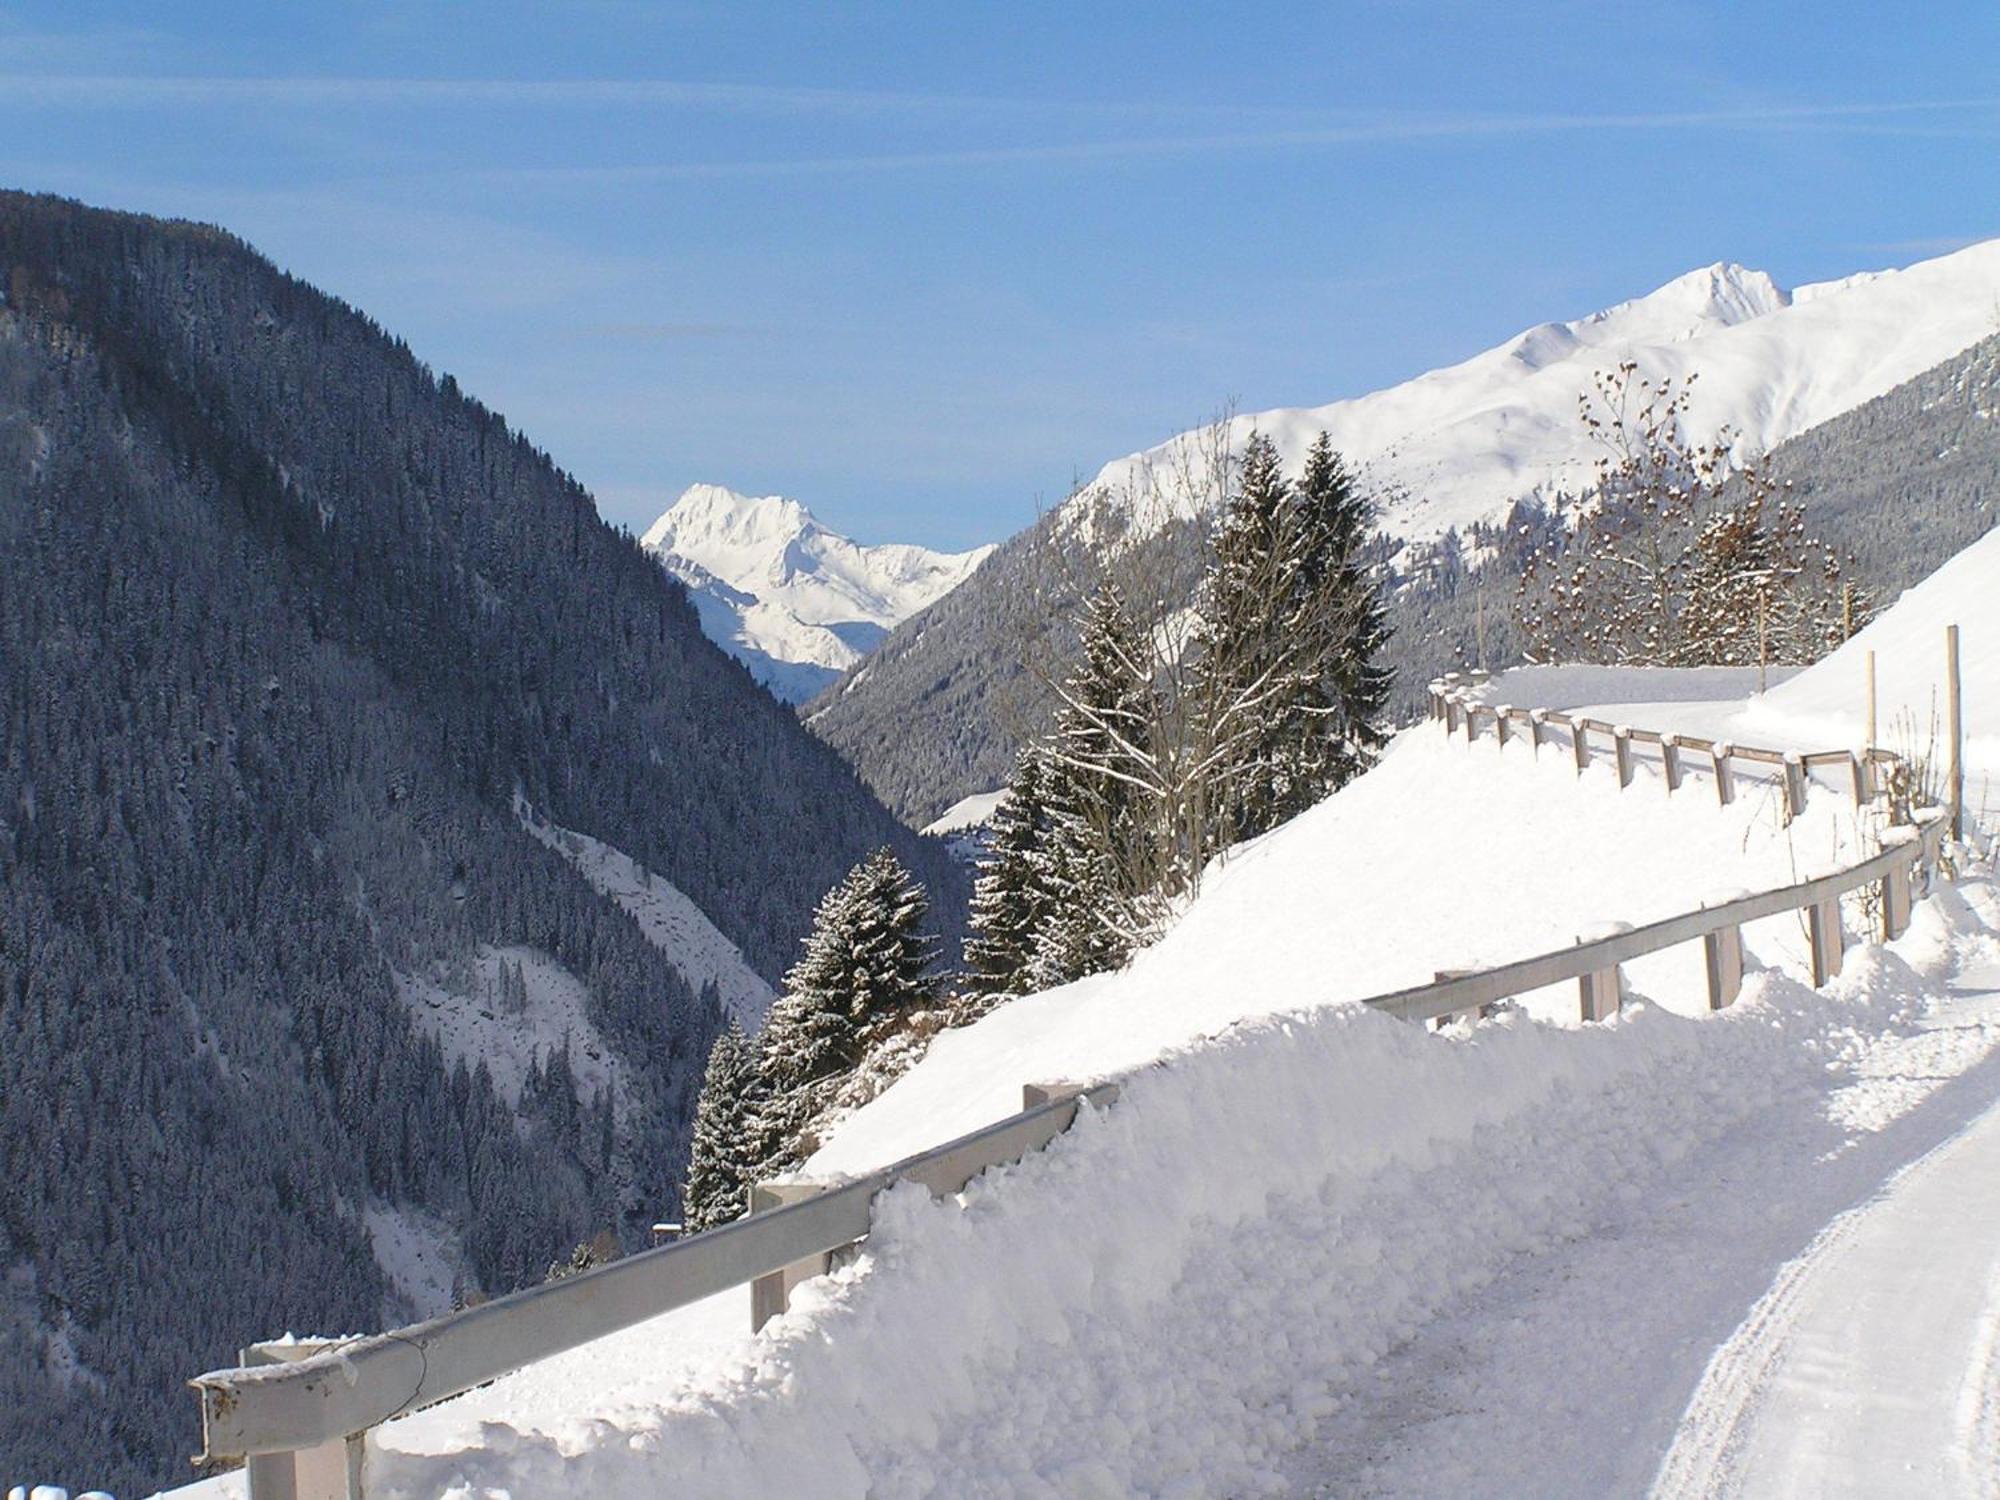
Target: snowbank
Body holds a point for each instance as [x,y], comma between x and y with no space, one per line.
[1176,1296]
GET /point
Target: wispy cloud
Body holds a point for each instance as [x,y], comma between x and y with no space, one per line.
[1832,118]
[667,332]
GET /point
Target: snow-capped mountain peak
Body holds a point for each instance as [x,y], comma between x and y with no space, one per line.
[796,602]
[1459,444]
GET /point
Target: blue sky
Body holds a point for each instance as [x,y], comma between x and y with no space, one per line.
[922,265]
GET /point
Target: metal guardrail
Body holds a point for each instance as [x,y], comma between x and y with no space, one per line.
[307,1405]
[298,1412]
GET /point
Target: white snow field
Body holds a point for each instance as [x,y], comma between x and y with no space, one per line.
[1461,443]
[795,602]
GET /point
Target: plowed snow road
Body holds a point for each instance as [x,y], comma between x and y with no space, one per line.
[1812,1309]
[1869,1368]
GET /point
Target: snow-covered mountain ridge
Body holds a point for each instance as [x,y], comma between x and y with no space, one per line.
[1459,444]
[796,602]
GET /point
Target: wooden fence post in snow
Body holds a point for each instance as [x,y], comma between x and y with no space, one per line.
[1501,715]
[1722,952]
[1795,786]
[771,1295]
[1579,746]
[1823,931]
[1621,743]
[1598,991]
[1725,778]
[1538,719]
[1954,733]
[1895,903]
[1670,762]
[332,1471]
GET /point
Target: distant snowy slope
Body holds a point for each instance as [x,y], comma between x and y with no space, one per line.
[1464,441]
[670,921]
[797,603]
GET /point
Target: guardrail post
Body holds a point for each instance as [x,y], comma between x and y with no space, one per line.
[1598,991]
[1896,903]
[1579,746]
[331,1471]
[1823,929]
[1621,743]
[1538,719]
[1725,778]
[1864,778]
[771,1295]
[1670,762]
[1795,786]
[1501,715]
[1722,952]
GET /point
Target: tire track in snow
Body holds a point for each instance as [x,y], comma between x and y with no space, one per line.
[1838,1347]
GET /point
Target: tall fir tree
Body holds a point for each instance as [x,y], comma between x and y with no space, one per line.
[1248,671]
[1100,783]
[722,1161]
[1012,898]
[867,965]
[1335,726]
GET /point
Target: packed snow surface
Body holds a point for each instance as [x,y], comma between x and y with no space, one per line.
[795,602]
[1460,444]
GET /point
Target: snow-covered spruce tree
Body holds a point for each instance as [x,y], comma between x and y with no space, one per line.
[866,968]
[1012,896]
[1682,562]
[722,1157]
[1106,778]
[1332,730]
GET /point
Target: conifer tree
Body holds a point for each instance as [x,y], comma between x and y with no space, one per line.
[1334,727]
[866,966]
[1104,784]
[722,1159]
[1250,672]
[1012,898]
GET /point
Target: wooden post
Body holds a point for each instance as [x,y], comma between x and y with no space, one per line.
[771,1295]
[1871,701]
[1500,718]
[1621,744]
[331,1471]
[1795,786]
[1954,733]
[1725,779]
[1579,746]
[1763,648]
[1723,950]
[1896,903]
[1864,789]
[1598,991]
[1823,930]
[1670,762]
[1538,719]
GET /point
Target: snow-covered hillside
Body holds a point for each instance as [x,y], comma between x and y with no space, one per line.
[1303,1220]
[1458,444]
[797,603]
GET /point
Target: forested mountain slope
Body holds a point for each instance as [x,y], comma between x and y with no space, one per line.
[286,627]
